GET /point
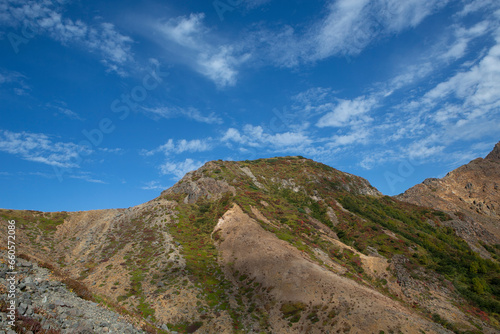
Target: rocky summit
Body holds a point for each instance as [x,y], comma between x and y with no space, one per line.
[280,245]
[471,195]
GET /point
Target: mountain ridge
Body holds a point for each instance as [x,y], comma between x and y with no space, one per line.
[469,192]
[273,245]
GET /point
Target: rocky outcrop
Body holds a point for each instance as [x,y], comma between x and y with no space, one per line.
[44,303]
[471,193]
[495,154]
[197,185]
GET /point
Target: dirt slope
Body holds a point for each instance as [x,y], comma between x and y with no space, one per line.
[292,277]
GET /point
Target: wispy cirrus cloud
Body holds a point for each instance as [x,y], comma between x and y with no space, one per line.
[191,40]
[39,147]
[478,5]
[463,107]
[462,37]
[87,177]
[188,112]
[347,28]
[61,108]
[15,81]
[47,17]
[75,174]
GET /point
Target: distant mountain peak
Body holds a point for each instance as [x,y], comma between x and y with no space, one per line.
[495,154]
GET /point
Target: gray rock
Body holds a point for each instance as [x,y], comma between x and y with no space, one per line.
[22,308]
[74,312]
[84,328]
[61,303]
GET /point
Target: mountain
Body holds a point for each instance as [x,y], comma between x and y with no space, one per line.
[280,245]
[471,195]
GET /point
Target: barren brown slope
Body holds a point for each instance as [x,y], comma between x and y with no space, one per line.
[471,193]
[295,280]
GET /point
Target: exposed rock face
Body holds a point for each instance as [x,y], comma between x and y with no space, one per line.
[471,192]
[44,303]
[196,184]
[495,154]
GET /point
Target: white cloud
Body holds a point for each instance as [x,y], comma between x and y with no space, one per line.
[46,17]
[111,150]
[70,113]
[356,136]
[64,110]
[11,76]
[15,81]
[347,112]
[184,30]
[181,146]
[348,27]
[233,135]
[351,25]
[478,88]
[86,176]
[40,148]
[194,44]
[463,107]
[220,66]
[179,169]
[453,45]
[478,5]
[153,185]
[462,38]
[424,148]
[313,95]
[255,136]
[190,113]
[195,145]
[372,159]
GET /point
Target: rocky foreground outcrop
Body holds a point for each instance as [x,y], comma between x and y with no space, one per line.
[45,304]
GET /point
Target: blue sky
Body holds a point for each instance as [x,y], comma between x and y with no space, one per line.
[105,104]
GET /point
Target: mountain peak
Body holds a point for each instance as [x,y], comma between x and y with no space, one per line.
[495,154]
[293,172]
